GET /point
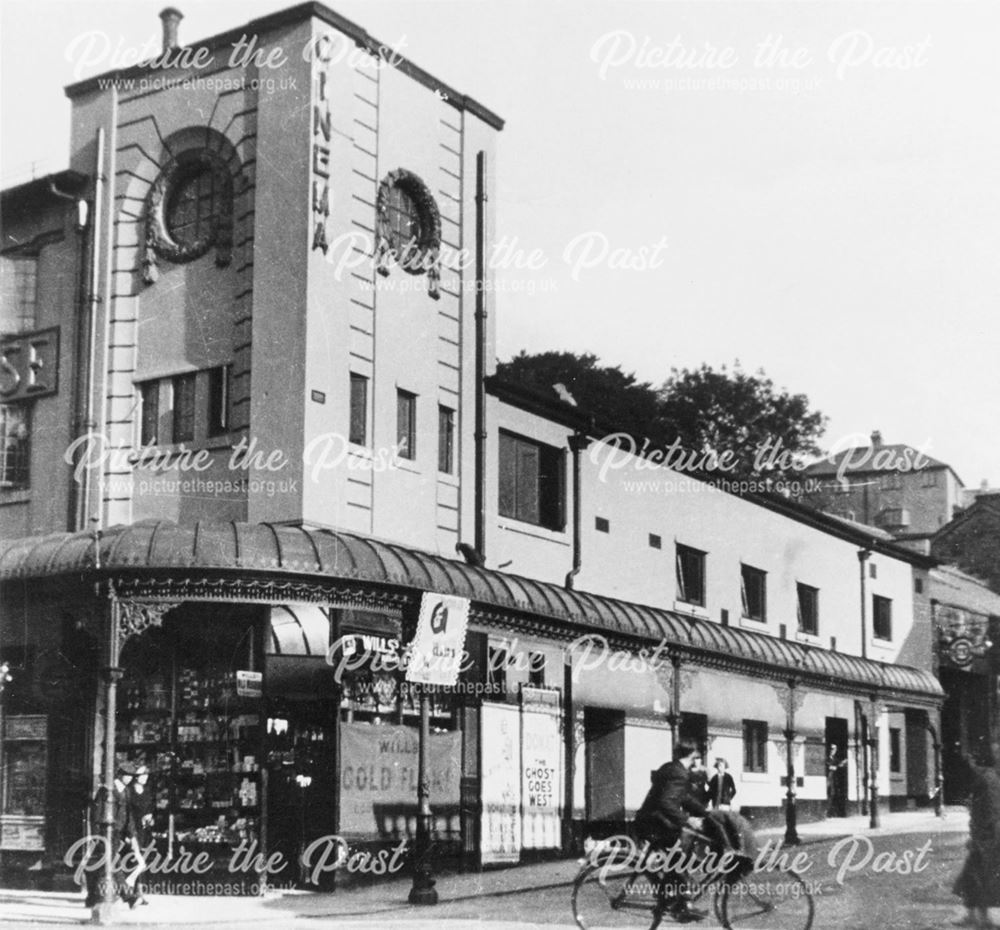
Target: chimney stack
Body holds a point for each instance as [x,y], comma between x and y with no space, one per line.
[171,18]
[876,439]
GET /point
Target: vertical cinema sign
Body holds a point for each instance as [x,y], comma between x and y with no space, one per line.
[321,137]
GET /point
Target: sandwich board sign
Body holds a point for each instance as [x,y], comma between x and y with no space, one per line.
[437,650]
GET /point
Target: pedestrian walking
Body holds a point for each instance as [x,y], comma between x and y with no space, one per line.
[978,884]
[141,800]
[121,829]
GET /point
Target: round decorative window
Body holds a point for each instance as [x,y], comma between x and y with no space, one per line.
[193,209]
[409,223]
[189,211]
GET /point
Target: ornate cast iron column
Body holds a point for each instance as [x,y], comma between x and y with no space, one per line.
[126,618]
[791,697]
[875,714]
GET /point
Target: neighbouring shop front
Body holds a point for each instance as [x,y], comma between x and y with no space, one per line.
[261,678]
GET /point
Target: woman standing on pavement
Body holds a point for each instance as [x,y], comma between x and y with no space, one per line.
[978,884]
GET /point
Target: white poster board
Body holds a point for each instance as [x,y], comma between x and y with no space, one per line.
[541,779]
[500,729]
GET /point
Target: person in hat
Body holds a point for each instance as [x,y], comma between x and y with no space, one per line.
[121,825]
[721,787]
[141,814]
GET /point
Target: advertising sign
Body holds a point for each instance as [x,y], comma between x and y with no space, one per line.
[379,771]
[438,647]
[22,834]
[501,783]
[541,780]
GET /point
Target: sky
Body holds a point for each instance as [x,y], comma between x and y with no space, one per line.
[810,187]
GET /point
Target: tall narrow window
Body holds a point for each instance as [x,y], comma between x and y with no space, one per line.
[446,440]
[18,293]
[532,488]
[536,669]
[15,434]
[496,671]
[881,617]
[219,386]
[184,408]
[358,427]
[808,609]
[690,576]
[753,583]
[406,424]
[754,746]
[895,751]
[150,412]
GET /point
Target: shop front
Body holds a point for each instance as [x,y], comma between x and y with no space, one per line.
[259,672]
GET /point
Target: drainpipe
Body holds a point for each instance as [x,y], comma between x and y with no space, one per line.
[863,556]
[481,318]
[80,334]
[578,443]
[89,424]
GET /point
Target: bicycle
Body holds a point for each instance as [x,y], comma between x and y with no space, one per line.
[615,892]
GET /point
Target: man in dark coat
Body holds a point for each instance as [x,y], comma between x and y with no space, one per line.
[669,807]
[978,884]
[121,828]
[721,787]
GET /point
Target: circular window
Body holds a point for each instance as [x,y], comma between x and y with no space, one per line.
[409,223]
[192,210]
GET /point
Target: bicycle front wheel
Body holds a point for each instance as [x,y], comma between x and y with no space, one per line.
[613,900]
[771,900]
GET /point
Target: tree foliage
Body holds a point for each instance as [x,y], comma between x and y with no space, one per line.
[703,411]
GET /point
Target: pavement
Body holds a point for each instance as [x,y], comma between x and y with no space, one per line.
[490,893]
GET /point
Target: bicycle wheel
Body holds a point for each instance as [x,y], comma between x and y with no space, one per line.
[772,900]
[611,899]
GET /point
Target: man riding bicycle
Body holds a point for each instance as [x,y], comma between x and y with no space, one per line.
[669,807]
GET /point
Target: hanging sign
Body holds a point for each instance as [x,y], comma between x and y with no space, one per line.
[439,646]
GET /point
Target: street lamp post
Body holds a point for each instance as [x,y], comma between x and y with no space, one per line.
[794,698]
[423,890]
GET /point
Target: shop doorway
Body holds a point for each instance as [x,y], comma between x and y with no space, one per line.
[836,766]
[604,732]
[301,785]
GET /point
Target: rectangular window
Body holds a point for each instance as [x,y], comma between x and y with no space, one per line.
[536,669]
[930,479]
[754,746]
[496,672]
[183,427]
[753,584]
[531,482]
[881,617]
[446,440]
[892,481]
[690,575]
[406,424]
[895,751]
[219,388]
[15,435]
[358,426]
[18,293]
[150,392]
[808,609]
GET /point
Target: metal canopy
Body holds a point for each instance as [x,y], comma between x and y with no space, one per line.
[320,554]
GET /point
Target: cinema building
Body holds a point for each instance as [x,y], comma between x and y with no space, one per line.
[250,425]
